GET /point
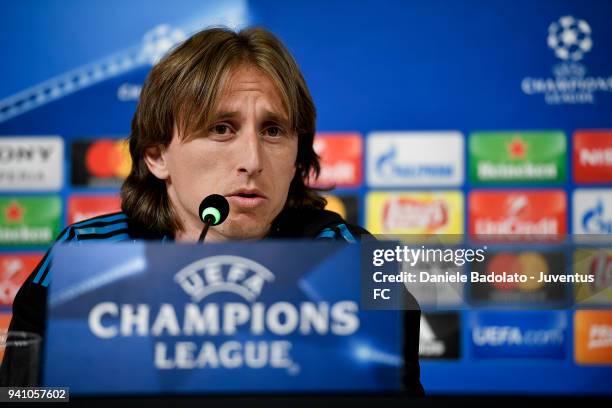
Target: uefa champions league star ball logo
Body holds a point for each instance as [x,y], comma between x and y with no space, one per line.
[570,38]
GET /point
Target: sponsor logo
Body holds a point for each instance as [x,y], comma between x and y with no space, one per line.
[518,334]
[31,163]
[29,220]
[593,156]
[83,207]
[100,163]
[5,321]
[592,211]
[499,157]
[570,40]
[14,270]
[598,264]
[397,159]
[415,213]
[527,213]
[341,157]
[223,273]
[345,205]
[535,266]
[593,337]
[218,324]
[439,336]
[412,213]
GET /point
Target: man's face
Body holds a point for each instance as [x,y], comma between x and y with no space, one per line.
[247,155]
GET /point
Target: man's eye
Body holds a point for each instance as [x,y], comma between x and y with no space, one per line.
[221,129]
[273,131]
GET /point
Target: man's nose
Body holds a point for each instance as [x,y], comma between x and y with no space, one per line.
[251,160]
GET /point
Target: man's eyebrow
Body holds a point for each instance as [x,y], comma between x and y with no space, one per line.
[220,115]
[268,116]
[275,117]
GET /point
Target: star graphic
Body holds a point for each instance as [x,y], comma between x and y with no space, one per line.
[517,148]
[13,212]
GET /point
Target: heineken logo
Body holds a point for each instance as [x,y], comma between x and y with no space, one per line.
[13,213]
[517,148]
[29,220]
[498,157]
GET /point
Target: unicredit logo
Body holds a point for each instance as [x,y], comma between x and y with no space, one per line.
[523,214]
[512,225]
[223,273]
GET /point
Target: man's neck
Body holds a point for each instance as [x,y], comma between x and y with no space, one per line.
[187,235]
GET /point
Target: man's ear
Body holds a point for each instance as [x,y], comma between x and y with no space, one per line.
[156,162]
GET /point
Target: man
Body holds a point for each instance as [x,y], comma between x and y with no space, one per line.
[224,113]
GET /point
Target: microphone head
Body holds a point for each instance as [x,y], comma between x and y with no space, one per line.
[215,208]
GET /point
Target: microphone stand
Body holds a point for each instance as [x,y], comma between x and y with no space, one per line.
[207,221]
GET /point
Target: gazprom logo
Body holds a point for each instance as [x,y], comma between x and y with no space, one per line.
[387,165]
[405,159]
[592,211]
[594,220]
[223,273]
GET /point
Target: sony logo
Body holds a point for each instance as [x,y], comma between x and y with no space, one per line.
[13,153]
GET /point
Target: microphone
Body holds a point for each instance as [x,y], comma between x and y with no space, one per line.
[213,210]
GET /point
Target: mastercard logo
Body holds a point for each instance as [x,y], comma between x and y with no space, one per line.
[108,158]
[524,263]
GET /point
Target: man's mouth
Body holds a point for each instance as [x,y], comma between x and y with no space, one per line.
[246,198]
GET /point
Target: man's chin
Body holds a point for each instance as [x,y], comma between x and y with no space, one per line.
[243,228]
